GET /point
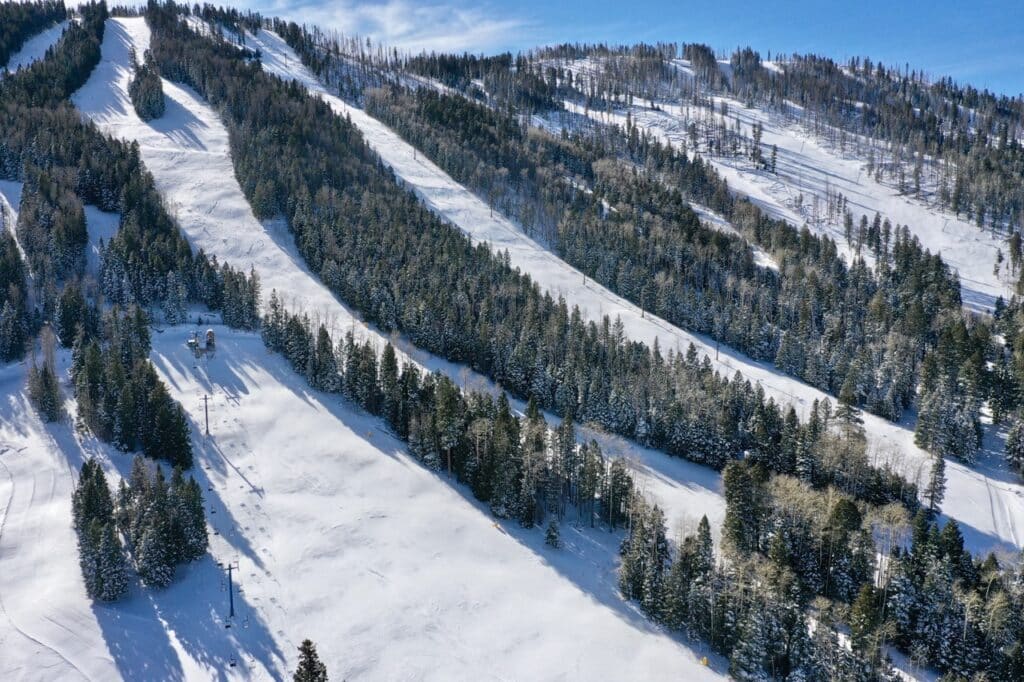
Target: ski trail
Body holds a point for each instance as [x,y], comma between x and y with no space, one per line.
[187,152]
[352,524]
[888,442]
[26,521]
[34,48]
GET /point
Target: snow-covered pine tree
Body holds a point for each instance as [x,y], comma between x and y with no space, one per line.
[154,562]
[936,488]
[43,388]
[89,541]
[325,372]
[1015,446]
[111,566]
[552,537]
[191,520]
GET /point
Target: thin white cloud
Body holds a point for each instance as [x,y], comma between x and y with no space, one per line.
[406,24]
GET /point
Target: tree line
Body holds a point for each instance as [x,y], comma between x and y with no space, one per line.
[816,318]
[751,610]
[19,21]
[880,338]
[66,164]
[148,524]
[404,269]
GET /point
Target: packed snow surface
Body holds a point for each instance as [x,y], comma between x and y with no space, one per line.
[49,628]
[339,535]
[35,48]
[394,571]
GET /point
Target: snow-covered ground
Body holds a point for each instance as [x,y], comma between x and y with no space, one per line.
[35,48]
[187,152]
[397,574]
[10,203]
[339,535]
[188,147]
[988,500]
[808,169]
[49,628]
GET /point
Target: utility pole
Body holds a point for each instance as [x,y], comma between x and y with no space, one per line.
[206,410]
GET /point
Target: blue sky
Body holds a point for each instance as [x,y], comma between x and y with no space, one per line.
[981,42]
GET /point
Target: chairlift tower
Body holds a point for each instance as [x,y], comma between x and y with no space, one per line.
[230,567]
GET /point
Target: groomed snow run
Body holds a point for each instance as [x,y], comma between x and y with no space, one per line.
[987,500]
[394,572]
[35,48]
[49,628]
[339,535]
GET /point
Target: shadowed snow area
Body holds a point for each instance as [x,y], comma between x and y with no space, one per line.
[49,628]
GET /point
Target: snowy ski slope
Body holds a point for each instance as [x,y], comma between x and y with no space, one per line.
[342,534]
[395,572]
[261,458]
[343,537]
[809,166]
[49,628]
[35,48]
[987,500]
[187,152]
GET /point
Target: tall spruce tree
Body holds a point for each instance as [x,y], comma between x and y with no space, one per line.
[310,668]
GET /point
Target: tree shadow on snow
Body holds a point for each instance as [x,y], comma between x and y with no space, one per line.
[145,630]
[588,558]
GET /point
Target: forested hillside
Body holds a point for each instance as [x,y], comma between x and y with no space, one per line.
[410,409]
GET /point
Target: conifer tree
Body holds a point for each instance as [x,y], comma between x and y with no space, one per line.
[112,566]
[551,535]
[43,388]
[936,488]
[1015,446]
[154,561]
[310,668]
